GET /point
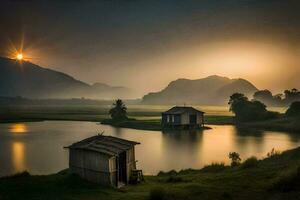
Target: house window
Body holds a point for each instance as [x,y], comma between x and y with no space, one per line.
[173,119]
[168,118]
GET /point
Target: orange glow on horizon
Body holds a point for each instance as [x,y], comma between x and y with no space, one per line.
[18,128]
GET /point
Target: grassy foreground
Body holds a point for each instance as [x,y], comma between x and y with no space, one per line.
[275,177]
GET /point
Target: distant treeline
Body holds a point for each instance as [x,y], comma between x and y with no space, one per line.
[74,101]
[284,99]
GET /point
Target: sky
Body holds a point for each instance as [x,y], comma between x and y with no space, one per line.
[144,45]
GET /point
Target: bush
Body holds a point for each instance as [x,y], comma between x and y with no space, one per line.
[214,167]
[169,173]
[157,193]
[293,110]
[273,153]
[250,162]
[272,115]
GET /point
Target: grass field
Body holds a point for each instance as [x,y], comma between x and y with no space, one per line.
[147,117]
[275,177]
[97,113]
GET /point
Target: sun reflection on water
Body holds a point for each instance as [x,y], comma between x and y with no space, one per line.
[18,153]
[18,128]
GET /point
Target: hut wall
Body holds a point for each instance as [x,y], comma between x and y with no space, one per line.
[113,170]
[130,162]
[164,118]
[200,118]
[185,118]
[90,165]
[170,119]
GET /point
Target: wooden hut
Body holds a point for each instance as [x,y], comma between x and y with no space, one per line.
[184,117]
[102,159]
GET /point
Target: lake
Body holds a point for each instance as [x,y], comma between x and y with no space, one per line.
[38,146]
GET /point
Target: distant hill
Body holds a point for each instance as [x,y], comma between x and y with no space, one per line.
[212,90]
[29,80]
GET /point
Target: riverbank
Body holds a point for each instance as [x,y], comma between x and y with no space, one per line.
[290,124]
[147,117]
[145,123]
[275,177]
[150,125]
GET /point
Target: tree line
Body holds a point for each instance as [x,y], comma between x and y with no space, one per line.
[282,99]
[253,110]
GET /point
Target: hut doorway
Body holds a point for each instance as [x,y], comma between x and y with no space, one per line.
[122,169]
[193,119]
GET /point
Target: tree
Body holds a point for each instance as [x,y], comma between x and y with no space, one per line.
[263,95]
[291,95]
[235,99]
[294,109]
[235,158]
[267,97]
[246,110]
[118,111]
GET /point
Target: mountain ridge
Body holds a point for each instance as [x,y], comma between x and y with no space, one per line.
[212,90]
[23,78]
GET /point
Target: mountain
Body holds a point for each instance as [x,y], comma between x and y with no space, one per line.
[212,90]
[29,80]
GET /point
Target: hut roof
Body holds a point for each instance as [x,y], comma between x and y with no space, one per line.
[181,109]
[107,145]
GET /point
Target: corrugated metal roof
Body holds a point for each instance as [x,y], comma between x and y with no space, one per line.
[107,145]
[181,109]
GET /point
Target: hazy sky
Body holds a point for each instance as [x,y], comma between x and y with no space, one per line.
[146,44]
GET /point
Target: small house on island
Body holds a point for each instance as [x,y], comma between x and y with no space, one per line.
[102,159]
[183,117]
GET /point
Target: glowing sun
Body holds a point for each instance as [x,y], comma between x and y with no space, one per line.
[19,56]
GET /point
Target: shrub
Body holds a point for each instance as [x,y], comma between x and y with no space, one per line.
[235,158]
[273,153]
[157,193]
[169,173]
[250,162]
[214,167]
[272,115]
[293,110]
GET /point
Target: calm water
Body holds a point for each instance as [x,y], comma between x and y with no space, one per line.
[38,146]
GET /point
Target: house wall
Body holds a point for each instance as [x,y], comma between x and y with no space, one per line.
[185,118]
[90,165]
[200,118]
[168,119]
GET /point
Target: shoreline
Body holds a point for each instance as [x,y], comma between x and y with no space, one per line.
[269,177]
[280,124]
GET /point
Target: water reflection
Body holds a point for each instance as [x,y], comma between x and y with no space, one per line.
[18,128]
[18,156]
[157,151]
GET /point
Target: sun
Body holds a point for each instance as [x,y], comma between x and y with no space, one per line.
[19,56]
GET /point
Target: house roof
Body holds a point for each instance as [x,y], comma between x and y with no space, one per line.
[108,145]
[181,109]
